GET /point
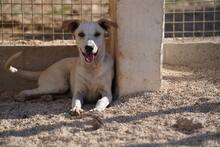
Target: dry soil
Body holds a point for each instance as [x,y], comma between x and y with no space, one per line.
[145,119]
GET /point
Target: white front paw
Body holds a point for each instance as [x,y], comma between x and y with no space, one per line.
[76,111]
[98,109]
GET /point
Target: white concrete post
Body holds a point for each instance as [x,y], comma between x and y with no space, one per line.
[138,56]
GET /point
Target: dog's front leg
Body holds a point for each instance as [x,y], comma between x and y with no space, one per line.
[103,102]
[77,102]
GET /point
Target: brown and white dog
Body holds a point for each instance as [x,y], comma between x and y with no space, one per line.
[89,77]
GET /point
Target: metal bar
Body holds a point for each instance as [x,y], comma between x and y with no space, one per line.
[46,3]
[91,5]
[22,11]
[199,31]
[191,11]
[184,19]
[32,20]
[194,19]
[203,27]
[170,32]
[190,2]
[42,17]
[214,22]
[81,11]
[53,19]
[49,33]
[49,14]
[71,9]
[174,20]
[12,21]
[40,23]
[62,8]
[2,32]
[102,8]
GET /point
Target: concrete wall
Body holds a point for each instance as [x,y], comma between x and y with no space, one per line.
[193,54]
[138,57]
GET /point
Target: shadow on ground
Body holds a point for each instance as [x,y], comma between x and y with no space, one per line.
[199,108]
[41,128]
[27,109]
[202,108]
[196,140]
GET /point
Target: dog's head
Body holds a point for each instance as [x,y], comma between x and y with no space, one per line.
[90,37]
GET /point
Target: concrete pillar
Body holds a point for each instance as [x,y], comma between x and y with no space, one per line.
[138,56]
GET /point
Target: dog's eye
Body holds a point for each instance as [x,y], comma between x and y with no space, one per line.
[81,34]
[97,34]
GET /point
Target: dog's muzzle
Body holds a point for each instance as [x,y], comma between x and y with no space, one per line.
[91,51]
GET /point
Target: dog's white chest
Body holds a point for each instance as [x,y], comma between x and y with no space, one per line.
[93,91]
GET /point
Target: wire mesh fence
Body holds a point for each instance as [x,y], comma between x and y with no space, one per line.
[42,19]
[23,20]
[192,18]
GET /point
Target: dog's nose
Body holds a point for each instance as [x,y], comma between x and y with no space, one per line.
[88,48]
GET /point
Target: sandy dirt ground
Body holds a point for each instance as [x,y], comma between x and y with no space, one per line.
[186,112]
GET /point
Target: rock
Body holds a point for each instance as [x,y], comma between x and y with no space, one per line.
[46,98]
[189,125]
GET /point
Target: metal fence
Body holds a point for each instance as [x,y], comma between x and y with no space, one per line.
[192,18]
[41,20]
[22,20]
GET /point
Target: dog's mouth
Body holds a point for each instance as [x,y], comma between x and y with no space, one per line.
[90,51]
[89,56]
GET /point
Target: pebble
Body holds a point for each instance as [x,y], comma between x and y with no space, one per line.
[189,125]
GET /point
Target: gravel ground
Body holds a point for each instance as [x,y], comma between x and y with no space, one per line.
[184,113]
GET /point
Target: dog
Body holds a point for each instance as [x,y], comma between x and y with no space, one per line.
[89,76]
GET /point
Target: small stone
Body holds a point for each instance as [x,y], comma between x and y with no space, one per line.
[189,125]
[47,98]
[24,116]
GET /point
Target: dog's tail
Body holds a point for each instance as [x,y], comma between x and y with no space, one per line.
[30,75]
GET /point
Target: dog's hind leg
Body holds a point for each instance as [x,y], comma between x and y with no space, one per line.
[40,91]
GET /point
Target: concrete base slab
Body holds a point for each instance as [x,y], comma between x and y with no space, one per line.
[193,54]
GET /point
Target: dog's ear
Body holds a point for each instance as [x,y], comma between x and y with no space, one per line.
[71,25]
[106,24]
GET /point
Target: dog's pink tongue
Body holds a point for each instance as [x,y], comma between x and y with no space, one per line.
[89,58]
